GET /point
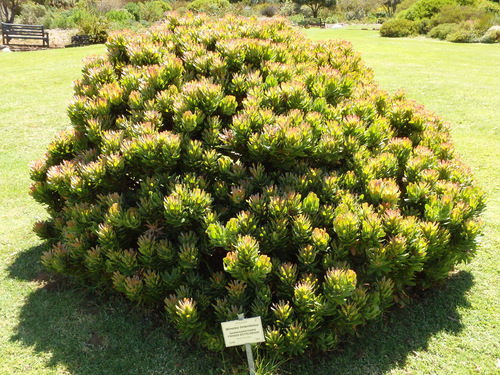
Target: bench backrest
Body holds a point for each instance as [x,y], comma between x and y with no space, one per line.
[18,29]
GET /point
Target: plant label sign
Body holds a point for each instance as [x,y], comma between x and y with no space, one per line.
[244,331]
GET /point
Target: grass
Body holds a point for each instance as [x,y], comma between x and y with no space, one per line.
[48,326]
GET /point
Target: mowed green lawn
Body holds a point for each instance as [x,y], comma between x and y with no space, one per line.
[48,326]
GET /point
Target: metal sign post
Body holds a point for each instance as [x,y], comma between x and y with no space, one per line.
[244,332]
[248,349]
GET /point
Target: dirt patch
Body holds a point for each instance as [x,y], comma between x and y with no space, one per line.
[43,278]
[96,341]
[50,282]
[60,38]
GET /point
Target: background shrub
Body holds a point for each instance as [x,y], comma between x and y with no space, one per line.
[454,13]
[443,30]
[491,36]
[424,9]
[483,22]
[332,19]
[209,6]
[184,10]
[153,11]
[134,9]
[65,19]
[490,7]
[96,27]
[306,11]
[473,17]
[102,7]
[176,4]
[461,35]
[404,4]
[423,25]
[64,4]
[398,27]
[357,9]
[297,18]
[234,166]
[119,15]
[32,13]
[287,8]
[269,10]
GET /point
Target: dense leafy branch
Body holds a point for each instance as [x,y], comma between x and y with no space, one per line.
[316,5]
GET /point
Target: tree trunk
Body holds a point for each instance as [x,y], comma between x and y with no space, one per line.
[3,12]
[8,10]
[14,4]
[315,10]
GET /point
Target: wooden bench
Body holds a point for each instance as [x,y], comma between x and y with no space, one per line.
[17,31]
[316,22]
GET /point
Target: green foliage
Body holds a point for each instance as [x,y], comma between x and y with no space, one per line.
[287,8]
[95,27]
[424,9]
[208,6]
[153,11]
[31,13]
[269,10]
[217,168]
[455,13]
[332,19]
[398,27]
[36,14]
[390,6]
[450,10]
[461,36]
[443,30]
[490,7]
[119,15]
[297,19]
[491,36]
[95,18]
[64,19]
[405,4]
[316,5]
[134,9]
[464,21]
[358,9]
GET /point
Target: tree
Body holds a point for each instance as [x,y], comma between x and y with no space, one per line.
[316,5]
[390,6]
[358,9]
[8,9]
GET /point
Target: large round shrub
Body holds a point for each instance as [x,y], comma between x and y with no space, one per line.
[234,166]
[208,6]
[491,36]
[443,30]
[398,28]
[462,35]
[120,15]
[152,11]
[424,9]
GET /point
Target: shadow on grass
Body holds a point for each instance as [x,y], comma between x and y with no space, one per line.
[93,334]
[386,344]
[102,334]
